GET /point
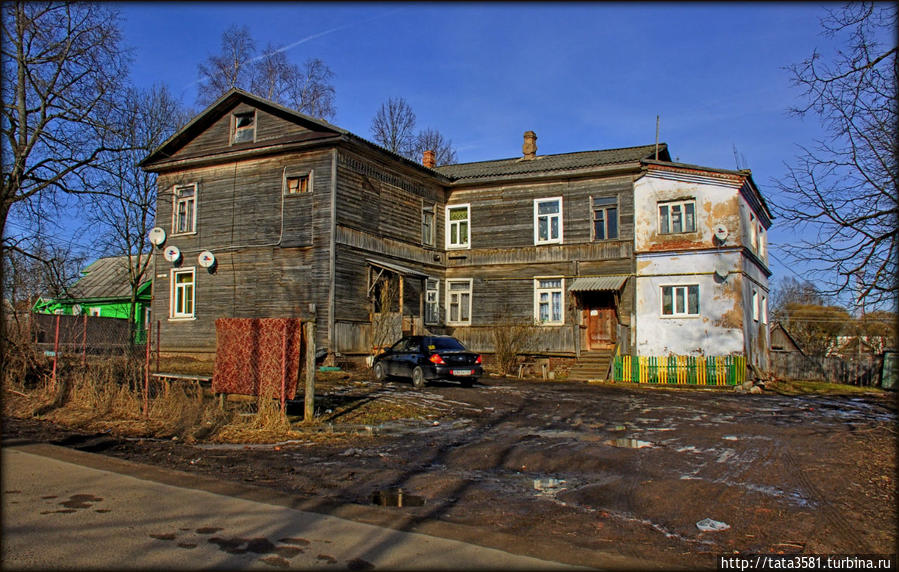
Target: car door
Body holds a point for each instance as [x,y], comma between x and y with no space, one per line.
[394,360]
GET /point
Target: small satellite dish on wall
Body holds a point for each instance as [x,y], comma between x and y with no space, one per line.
[206,259]
[76,310]
[156,236]
[721,232]
[172,253]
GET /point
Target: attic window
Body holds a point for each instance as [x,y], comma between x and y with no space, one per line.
[297,183]
[244,127]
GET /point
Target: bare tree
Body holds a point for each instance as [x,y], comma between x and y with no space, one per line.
[231,68]
[271,75]
[393,126]
[432,140]
[62,69]
[844,188]
[311,90]
[124,212]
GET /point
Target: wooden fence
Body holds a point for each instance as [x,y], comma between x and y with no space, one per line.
[865,370]
[680,370]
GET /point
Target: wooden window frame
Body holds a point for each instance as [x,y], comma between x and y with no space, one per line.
[450,303]
[432,307]
[604,207]
[301,175]
[451,224]
[429,211]
[549,290]
[176,202]
[239,131]
[549,217]
[174,313]
[674,313]
[683,205]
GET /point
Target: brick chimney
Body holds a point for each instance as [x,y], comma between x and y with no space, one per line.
[530,145]
[429,159]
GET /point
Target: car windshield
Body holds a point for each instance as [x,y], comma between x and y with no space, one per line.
[447,344]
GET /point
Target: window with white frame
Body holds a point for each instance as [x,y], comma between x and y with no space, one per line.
[457,226]
[95,311]
[147,316]
[605,218]
[432,301]
[755,305]
[675,217]
[762,240]
[243,127]
[548,220]
[680,300]
[182,296]
[427,225]
[458,302]
[764,308]
[754,233]
[548,296]
[297,183]
[184,214]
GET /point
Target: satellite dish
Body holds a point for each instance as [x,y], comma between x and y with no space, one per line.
[721,232]
[156,236]
[172,253]
[206,259]
[76,310]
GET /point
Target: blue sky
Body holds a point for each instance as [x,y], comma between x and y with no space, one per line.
[582,75]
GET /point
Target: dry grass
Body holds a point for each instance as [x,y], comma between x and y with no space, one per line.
[107,395]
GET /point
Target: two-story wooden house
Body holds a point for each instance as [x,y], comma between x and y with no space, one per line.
[305,219]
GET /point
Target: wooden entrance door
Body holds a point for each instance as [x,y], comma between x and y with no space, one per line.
[601,327]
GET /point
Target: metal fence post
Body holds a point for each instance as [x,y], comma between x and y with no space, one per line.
[55,352]
[309,394]
[286,324]
[147,374]
[84,343]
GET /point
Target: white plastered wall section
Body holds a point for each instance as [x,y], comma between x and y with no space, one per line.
[687,259]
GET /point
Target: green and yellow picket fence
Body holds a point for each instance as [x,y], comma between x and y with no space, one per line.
[685,370]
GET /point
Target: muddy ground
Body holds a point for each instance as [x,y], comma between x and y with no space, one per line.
[613,469]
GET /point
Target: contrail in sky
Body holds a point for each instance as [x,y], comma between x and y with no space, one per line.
[312,37]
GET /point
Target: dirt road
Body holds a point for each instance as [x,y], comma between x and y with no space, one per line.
[621,470]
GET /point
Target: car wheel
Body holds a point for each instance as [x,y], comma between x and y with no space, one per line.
[469,381]
[379,371]
[418,378]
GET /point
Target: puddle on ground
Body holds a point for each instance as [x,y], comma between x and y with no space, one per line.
[396,498]
[629,443]
[80,501]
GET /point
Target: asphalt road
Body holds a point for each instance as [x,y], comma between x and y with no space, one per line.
[63,514]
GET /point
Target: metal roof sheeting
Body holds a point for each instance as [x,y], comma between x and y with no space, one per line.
[399,269]
[597,283]
[544,163]
[105,278]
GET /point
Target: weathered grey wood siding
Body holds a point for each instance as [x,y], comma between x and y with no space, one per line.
[266,267]
[504,261]
[217,137]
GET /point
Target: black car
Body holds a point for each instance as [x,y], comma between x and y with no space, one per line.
[424,358]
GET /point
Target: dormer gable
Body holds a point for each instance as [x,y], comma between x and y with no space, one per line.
[239,123]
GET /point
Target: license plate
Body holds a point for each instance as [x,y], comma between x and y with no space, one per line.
[462,372]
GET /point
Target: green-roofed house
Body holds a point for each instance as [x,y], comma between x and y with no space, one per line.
[103,290]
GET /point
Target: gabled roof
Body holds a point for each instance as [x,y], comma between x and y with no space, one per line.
[234,96]
[105,278]
[550,163]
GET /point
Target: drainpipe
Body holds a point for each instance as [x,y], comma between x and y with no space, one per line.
[332,254]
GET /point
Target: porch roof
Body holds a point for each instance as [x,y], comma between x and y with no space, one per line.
[597,283]
[402,270]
